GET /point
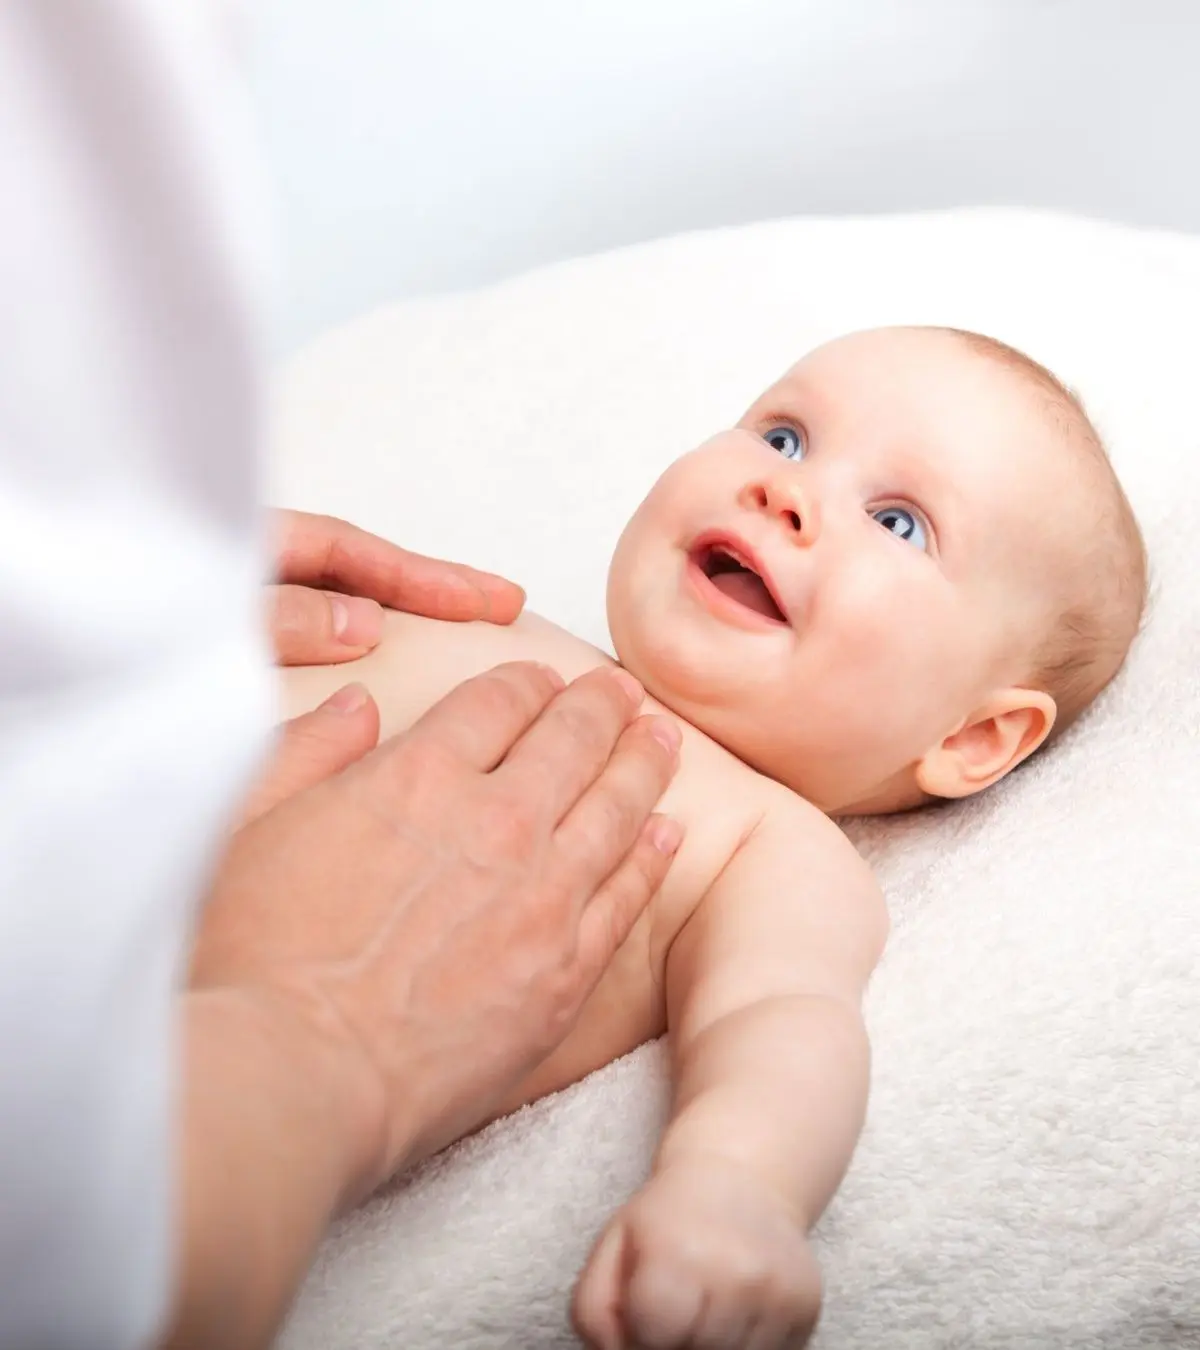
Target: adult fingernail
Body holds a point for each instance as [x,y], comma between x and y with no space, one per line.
[484,603]
[665,731]
[666,835]
[631,686]
[357,621]
[348,699]
[554,677]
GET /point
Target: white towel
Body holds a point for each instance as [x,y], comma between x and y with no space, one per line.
[1030,1172]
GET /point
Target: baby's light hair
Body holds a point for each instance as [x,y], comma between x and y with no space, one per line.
[1104,597]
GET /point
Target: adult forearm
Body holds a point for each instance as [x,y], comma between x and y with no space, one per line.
[268,1158]
[780,1089]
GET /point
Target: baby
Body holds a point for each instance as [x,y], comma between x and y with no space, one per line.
[905,569]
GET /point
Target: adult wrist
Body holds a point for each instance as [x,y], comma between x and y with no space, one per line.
[276,1138]
[313,1070]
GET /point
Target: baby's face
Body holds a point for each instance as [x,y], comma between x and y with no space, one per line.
[831,587]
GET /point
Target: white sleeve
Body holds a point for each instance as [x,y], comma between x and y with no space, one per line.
[133,692]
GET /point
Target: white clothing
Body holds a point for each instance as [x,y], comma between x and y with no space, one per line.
[133,688]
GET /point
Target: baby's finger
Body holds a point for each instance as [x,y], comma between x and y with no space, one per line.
[725,1323]
[772,1332]
[663,1305]
[315,628]
[763,1335]
[790,1326]
[596,1306]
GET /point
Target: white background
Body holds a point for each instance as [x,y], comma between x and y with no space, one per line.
[426,145]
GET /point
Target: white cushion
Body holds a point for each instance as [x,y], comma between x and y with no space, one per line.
[1030,1173]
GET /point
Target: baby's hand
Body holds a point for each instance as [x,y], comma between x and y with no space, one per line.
[704,1255]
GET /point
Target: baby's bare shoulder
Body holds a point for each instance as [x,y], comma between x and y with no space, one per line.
[794,910]
[714,787]
[726,809]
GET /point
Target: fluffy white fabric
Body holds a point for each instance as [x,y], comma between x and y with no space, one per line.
[1030,1174]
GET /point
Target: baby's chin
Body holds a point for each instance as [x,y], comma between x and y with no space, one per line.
[838,789]
[683,673]
[669,681]
[713,705]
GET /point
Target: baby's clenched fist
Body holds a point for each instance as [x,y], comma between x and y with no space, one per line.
[705,1255]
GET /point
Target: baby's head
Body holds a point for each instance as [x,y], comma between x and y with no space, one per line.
[906,568]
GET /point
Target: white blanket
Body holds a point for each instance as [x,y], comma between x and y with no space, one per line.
[1030,1173]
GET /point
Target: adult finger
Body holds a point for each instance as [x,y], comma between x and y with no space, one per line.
[323,551]
[616,906]
[564,751]
[312,628]
[315,746]
[603,825]
[478,721]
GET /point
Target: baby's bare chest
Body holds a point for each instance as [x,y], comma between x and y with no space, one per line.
[714,796]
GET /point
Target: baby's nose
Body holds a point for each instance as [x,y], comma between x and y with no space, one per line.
[781,497]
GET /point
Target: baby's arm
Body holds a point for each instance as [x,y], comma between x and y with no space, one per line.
[764,985]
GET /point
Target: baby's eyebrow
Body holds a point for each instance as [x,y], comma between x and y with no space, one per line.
[937,493]
[795,386]
[788,395]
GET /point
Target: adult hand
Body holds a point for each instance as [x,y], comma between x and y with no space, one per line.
[476,874]
[387,953]
[314,746]
[333,578]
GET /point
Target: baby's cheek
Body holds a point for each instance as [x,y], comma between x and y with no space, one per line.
[868,619]
[890,662]
[896,611]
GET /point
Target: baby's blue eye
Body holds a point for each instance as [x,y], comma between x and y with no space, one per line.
[903,524]
[787,440]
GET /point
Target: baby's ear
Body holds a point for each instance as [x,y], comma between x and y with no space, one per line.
[996,737]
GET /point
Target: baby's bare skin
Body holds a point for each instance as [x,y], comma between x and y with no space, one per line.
[717,798]
[838,601]
[753,956]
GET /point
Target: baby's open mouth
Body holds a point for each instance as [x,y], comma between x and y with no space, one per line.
[733,576]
